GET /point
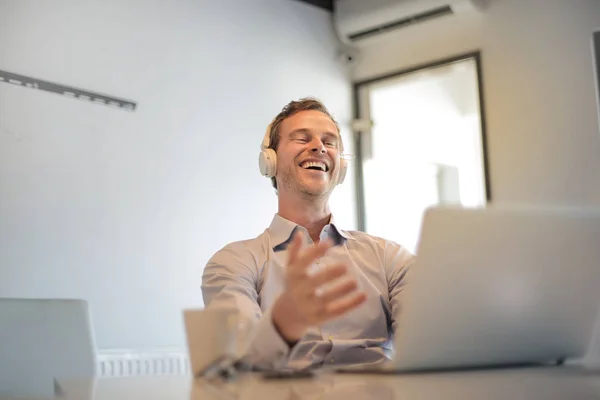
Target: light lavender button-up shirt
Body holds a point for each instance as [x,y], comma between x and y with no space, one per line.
[249,276]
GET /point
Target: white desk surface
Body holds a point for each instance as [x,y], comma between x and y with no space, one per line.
[520,383]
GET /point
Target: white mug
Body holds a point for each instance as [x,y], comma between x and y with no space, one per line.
[215,336]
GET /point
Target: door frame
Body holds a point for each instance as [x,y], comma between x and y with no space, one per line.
[360,112]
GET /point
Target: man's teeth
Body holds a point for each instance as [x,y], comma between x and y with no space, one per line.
[308,164]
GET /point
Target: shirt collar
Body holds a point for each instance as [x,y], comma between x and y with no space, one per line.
[340,232]
[281,232]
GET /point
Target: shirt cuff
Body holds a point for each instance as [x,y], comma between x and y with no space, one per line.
[268,349]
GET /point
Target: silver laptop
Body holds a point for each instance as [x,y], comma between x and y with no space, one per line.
[499,286]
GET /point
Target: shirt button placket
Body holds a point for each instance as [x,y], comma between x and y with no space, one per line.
[330,338]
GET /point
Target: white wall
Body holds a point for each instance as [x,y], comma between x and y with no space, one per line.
[123,209]
[543,138]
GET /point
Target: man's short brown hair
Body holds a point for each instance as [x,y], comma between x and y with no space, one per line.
[294,107]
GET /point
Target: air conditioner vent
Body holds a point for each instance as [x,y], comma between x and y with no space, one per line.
[402,23]
[359,23]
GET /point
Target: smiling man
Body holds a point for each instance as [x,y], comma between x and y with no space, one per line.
[316,293]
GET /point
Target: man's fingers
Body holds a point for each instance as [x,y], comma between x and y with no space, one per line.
[339,307]
[328,274]
[338,291]
[310,255]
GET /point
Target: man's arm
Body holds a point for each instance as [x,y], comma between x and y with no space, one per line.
[230,280]
[398,261]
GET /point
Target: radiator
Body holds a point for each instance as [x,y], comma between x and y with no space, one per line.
[120,363]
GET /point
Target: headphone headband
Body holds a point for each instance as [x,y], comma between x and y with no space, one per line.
[267,139]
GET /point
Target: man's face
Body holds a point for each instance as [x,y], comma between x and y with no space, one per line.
[308,153]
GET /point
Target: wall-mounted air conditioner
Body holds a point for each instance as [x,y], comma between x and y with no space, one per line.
[359,20]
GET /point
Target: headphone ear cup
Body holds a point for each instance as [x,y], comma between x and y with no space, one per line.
[342,174]
[267,163]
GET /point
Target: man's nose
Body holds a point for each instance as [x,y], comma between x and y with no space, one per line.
[318,146]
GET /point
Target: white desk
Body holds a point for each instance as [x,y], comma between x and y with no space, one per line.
[522,383]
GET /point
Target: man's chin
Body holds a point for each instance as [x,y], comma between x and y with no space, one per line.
[311,187]
[316,189]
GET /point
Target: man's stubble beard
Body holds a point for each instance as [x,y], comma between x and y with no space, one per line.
[291,184]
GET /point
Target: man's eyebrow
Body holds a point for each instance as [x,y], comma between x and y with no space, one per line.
[300,131]
[306,131]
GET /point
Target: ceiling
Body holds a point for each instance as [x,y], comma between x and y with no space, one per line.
[325,4]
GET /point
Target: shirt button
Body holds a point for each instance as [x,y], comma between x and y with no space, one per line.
[330,337]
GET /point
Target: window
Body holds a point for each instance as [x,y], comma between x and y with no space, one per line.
[425,146]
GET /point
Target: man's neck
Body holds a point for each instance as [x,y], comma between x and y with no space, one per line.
[311,213]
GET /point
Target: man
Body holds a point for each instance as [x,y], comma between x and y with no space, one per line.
[317,294]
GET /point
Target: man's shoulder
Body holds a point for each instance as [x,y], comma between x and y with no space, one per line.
[240,249]
[366,238]
[391,253]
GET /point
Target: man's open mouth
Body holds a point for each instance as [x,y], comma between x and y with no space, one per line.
[315,165]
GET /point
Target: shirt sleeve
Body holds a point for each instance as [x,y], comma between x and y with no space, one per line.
[398,261]
[230,280]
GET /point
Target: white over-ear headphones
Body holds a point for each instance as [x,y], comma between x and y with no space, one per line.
[267,160]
